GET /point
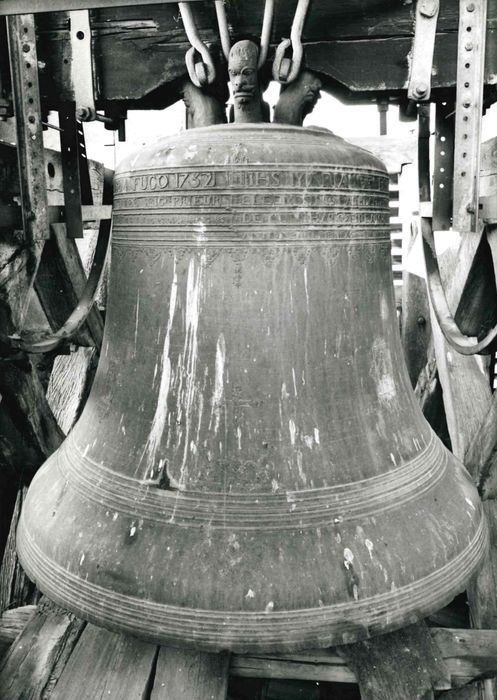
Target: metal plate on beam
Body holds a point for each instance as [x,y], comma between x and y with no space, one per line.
[469,98]
[27,107]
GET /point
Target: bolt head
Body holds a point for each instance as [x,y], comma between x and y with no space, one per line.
[420,89]
[468,46]
[470,7]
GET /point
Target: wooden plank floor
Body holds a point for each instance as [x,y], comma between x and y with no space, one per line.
[56,656]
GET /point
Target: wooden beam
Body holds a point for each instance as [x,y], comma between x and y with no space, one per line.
[190,675]
[465,380]
[402,664]
[481,453]
[15,588]
[466,653]
[107,665]
[12,622]
[34,662]
[362,45]
[17,7]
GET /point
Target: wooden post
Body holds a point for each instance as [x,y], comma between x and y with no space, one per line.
[403,664]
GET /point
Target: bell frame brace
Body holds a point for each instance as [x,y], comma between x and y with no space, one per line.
[37,216]
[469,97]
[419,87]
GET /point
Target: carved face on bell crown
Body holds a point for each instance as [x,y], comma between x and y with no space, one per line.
[242,69]
[311,89]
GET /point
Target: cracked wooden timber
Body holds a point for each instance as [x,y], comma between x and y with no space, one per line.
[53,655]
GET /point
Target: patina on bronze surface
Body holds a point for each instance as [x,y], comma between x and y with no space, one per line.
[252,471]
[298,99]
[202,107]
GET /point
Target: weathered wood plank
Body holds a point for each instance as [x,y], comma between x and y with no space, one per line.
[464,693]
[69,385]
[190,675]
[12,622]
[15,587]
[481,452]
[376,664]
[467,654]
[39,653]
[28,429]
[104,664]
[320,667]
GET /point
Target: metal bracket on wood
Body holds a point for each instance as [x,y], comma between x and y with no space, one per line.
[469,97]
[443,169]
[419,87]
[81,64]
[76,178]
[31,159]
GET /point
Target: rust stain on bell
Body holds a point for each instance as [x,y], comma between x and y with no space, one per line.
[252,471]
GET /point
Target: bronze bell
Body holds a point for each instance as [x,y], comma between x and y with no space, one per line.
[252,471]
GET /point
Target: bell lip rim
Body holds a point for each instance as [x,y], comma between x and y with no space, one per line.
[236,641]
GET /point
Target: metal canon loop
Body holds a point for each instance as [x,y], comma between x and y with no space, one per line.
[222,22]
[285,70]
[266,32]
[282,66]
[203,72]
[463,344]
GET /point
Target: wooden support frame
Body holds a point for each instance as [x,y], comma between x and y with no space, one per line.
[64,651]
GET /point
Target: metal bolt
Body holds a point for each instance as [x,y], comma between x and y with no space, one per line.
[83,114]
[421,321]
[420,89]
[470,209]
[470,7]
[466,102]
[468,46]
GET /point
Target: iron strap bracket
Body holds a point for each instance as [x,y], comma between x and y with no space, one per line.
[469,98]
[419,86]
[27,108]
[76,176]
[81,64]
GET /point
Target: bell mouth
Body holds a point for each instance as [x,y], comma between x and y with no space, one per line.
[264,631]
